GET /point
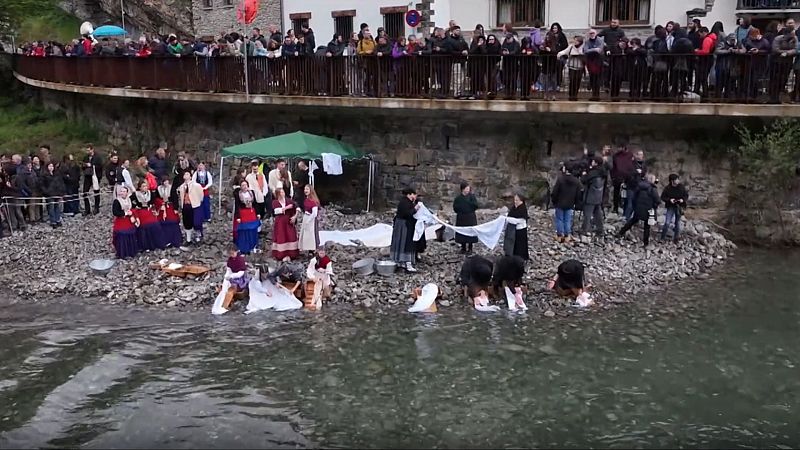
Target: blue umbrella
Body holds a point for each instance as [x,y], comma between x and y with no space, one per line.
[108,31]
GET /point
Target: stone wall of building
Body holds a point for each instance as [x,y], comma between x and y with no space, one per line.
[215,17]
[431,150]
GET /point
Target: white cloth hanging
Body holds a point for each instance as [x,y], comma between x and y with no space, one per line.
[311,168]
[332,163]
[488,233]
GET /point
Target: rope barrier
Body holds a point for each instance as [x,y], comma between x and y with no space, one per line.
[48,200]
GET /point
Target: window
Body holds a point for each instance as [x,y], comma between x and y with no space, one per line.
[395,25]
[299,20]
[632,12]
[343,25]
[297,25]
[519,13]
[208,3]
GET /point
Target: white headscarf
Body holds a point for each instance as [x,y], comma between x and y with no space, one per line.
[246,197]
[124,202]
[164,191]
[143,197]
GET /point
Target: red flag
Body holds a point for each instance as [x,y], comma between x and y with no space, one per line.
[247,11]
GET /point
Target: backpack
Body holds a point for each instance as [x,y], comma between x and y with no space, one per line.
[152,184]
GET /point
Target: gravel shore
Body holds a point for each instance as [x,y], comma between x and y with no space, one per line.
[45,262]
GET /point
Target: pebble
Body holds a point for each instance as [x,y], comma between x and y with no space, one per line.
[618,269]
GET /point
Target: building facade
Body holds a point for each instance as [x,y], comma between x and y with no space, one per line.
[639,16]
[216,17]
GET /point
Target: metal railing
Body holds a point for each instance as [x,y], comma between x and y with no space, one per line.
[768,4]
[735,78]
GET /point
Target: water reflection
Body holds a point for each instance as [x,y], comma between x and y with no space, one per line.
[715,369]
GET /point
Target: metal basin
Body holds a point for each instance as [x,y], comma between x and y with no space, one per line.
[364,266]
[101,266]
[386,268]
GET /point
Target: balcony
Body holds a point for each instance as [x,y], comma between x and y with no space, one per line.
[768,5]
[677,84]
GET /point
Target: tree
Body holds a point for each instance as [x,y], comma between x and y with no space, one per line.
[15,11]
[766,168]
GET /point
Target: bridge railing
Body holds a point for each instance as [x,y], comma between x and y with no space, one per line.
[735,78]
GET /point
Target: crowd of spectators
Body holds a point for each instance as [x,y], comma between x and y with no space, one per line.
[675,63]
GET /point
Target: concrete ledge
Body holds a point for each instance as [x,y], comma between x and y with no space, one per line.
[506,106]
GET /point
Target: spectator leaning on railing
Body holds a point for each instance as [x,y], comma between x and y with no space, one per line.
[672,64]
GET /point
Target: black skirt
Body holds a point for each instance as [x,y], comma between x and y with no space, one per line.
[466,220]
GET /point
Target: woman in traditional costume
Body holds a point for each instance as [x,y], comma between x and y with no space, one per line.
[403,249]
[149,231]
[245,220]
[126,245]
[465,206]
[320,271]
[204,179]
[309,229]
[284,234]
[516,237]
[191,200]
[168,216]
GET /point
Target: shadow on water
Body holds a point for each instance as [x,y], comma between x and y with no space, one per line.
[709,365]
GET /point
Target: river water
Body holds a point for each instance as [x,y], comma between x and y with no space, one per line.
[714,364]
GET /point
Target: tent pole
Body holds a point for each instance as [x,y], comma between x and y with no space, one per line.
[219,194]
[369,185]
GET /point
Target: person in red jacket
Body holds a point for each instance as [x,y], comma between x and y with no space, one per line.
[705,60]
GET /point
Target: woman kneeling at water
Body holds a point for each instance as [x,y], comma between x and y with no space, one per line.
[508,272]
[236,271]
[569,280]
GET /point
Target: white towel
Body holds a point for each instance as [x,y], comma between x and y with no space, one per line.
[584,300]
[332,163]
[488,233]
[512,299]
[483,306]
[424,301]
[279,299]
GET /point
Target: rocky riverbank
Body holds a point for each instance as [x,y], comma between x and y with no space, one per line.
[45,262]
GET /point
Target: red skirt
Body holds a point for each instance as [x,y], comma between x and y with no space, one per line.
[170,215]
[145,216]
[123,224]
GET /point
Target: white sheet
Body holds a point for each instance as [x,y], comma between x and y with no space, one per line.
[279,299]
[488,233]
[424,301]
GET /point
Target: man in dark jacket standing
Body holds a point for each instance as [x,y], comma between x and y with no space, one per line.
[442,60]
[566,194]
[646,200]
[92,172]
[158,163]
[621,169]
[111,169]
[637,174]
[594,185]
[674,197]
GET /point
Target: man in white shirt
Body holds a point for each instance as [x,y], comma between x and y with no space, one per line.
[275,179]
[261,189]
[126,176]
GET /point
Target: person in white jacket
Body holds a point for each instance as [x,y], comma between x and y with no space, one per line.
[204,179]
[258,184]
[280,177]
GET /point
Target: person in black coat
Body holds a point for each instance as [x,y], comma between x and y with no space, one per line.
[92,170]
[510,50]
[515,242]
[570,280]
[565,196]
[674,197]
[403,249]
[645,200]
[54,188]
[465,206]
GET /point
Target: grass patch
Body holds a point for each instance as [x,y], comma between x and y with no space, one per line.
[51,24]
[23,128]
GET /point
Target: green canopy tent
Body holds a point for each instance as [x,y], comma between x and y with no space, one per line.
[296,145]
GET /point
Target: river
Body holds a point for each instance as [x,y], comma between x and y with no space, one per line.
[712,364]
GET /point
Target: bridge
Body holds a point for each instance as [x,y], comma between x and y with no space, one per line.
[475,84]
